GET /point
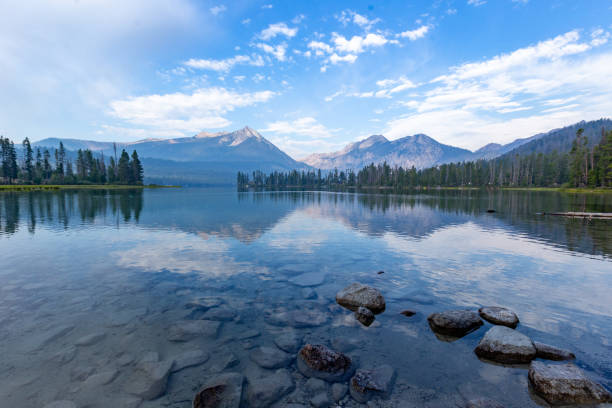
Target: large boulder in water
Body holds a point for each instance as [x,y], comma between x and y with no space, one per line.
[316,360]
[364,315]
[456,323]
[224,391]
[505,345]
[565,384]
[356,295]
[367,384]
[499,315]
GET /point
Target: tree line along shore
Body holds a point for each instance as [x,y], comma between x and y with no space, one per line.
[582,168]
[44,169]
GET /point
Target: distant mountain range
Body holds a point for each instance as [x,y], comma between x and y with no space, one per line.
[206,158]
[214,158]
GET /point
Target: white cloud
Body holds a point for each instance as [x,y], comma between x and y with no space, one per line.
[278,51]
[476,3]
[415,34]
[225,64]
[388,87]
[320,47]
[362,21]
[358,44]
[298,19]
[267,6]
[216,10]
[274,30]
[306,126]
[335,58]
[478,102]
[202,109]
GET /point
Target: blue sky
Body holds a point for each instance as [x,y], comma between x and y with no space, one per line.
[310,76]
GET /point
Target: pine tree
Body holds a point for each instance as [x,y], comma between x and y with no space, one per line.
[124,168]
[136,167]
[28,159]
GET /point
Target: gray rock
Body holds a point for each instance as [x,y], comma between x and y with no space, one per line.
[224,391]
[456,323]
[288,341]
[189,359]
[564,384]
[309,279]
[320,400]
[223,359]
[315,385]
[499,315]
[271,357]
[338,391]
[548,352]
[61,404]
[483,403]
[376,382]
[150,380]
[321,362]
[364,316]
[505,345]
[408,312]
[187,330]
[262,392]
[356,295]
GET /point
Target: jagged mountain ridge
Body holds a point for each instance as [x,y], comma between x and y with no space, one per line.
[420,151]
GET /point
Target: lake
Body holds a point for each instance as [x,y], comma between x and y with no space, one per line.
[98,286]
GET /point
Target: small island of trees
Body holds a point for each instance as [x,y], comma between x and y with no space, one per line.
[42,167]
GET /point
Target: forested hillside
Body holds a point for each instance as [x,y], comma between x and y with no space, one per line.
[56,166]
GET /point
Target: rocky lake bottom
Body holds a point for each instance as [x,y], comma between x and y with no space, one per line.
[145,299]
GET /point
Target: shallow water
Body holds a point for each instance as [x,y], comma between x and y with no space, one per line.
[124,265]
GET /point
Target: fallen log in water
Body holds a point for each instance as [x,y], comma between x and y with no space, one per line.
[580,214]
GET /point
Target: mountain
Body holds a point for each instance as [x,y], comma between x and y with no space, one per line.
[206,158]
[561,139]
[419,151]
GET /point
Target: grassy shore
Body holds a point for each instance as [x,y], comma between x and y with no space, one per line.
[52,187]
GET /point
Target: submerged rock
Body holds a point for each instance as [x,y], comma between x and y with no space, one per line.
[224,391]
[308,279]
[564,384]
[364,316]
[221,314]
[499,315]
[189,359]
[548,352]
[309,293]
[338,391]
[90,339]
[263,392]
[456,323]
[356,295]
[271,357]
[298,318]
[316,360]
[376,382]
[151,380]
[408,312]
[187,330]
[289,341]
[505,345]
[320,400]
[483,403]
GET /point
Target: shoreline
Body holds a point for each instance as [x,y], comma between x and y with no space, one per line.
[55,187]
[567,190]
